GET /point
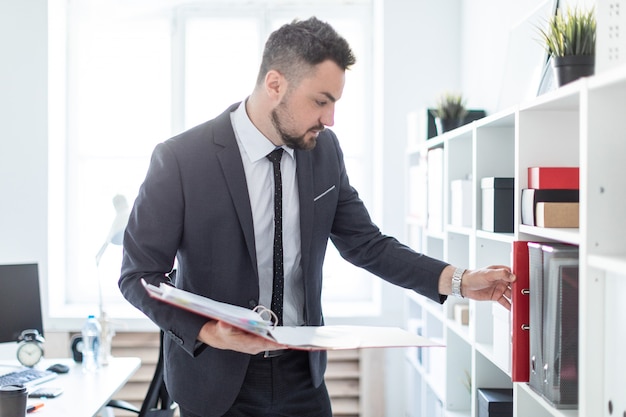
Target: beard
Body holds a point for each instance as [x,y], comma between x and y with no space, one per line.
[292,140]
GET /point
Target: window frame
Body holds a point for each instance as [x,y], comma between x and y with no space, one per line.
[59,309]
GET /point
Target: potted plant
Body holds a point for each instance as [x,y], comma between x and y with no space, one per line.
[570,40]
[450,112]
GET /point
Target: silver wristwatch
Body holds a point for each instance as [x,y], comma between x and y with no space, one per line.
[456,282]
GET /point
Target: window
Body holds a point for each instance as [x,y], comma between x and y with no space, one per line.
[132,73]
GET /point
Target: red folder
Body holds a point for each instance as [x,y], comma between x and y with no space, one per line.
[520,314]
[544,178]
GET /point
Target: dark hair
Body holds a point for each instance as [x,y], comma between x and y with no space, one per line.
[296,47]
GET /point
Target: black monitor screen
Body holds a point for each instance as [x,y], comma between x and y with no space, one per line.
[20,301]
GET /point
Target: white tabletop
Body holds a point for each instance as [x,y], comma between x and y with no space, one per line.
[84,394]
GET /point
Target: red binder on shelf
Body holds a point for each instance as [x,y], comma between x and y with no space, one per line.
[520,314]
[544,178]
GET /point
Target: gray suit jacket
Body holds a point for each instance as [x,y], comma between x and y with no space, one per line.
[194,205]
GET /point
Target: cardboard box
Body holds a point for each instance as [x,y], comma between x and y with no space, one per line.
[497,204]
[557,214]
[461,313]
[554,178]
[530,198]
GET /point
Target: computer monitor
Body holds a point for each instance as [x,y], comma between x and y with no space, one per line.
[20,301]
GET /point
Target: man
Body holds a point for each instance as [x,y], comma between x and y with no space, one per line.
[208,201]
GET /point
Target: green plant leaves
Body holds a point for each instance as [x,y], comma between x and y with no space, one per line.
[571,34]
[450,106]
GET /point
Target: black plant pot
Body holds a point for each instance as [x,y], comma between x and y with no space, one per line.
[572,67]
[444,125]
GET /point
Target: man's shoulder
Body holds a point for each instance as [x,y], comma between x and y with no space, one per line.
[218,130]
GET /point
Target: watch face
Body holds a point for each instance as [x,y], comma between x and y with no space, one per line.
[29,353]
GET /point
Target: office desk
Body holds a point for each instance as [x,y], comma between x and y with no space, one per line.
[84,394]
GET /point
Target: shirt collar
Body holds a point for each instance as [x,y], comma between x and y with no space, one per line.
[256,145]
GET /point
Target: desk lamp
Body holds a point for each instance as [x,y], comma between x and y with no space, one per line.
[115,237]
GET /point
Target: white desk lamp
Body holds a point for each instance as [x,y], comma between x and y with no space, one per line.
[115,237]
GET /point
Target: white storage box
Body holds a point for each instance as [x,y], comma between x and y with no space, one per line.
[461,203]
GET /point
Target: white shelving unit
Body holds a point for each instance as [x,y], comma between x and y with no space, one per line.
[581,124]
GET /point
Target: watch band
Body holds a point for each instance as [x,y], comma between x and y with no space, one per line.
[456,282]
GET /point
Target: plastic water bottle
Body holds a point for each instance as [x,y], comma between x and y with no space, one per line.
[91,344]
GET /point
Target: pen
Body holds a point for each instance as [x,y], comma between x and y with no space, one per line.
[34,407]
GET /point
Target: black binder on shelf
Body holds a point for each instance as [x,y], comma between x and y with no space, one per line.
[554,322]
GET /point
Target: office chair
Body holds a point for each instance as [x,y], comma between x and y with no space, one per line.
[157,402]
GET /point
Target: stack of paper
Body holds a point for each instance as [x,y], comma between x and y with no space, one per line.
[296,337]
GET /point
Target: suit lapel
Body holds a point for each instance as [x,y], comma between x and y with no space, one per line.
[232,166]
[304,167]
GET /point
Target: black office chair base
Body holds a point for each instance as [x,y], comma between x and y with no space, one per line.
[157,402]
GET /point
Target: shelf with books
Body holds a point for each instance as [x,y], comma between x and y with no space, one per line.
[578,125]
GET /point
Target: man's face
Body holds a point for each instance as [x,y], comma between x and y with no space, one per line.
[308,107]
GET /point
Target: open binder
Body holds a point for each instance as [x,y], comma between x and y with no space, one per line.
[261,321]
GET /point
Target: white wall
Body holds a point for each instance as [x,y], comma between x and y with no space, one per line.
[485,37]
[486,26]
[23,136]
[23,132]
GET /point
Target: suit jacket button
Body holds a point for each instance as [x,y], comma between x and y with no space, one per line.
[252,303]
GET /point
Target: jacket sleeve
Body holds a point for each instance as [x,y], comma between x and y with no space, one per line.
[361,242]
[151,240]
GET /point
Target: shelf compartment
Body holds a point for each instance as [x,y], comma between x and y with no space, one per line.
[413,391]
[527,402]
[458,373]
[565,235]
[492,252]
[486,374]
[500,237]
[456,249]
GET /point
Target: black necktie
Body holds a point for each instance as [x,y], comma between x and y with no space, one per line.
[279,278]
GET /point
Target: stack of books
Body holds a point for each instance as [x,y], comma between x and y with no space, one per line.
[552,197]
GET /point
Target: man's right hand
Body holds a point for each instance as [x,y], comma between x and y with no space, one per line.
[222,335]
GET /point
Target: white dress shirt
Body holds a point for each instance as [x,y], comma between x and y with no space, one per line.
[254,148]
